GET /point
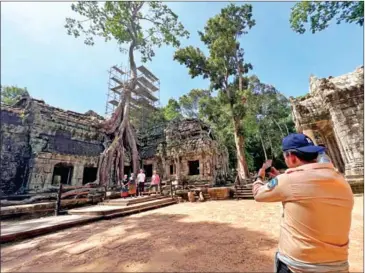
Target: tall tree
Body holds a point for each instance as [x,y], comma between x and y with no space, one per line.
[224,66]
[189,102]
[10,94]
[135,26]
[268,115]
[172,110]
[217,114]
[319,14]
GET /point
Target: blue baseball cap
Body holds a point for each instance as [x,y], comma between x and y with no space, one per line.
[301,143]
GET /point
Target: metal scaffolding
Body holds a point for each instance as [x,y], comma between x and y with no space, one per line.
[145,98]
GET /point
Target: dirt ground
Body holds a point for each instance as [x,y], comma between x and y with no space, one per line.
[214,236]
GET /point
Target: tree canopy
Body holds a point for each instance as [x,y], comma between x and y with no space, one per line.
[144,25]
[141,26]
[172,110]
[266,120]
[224,66]
[189,103]
[318,15]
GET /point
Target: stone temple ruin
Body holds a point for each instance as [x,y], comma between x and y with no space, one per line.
[332,114]
[43,145]
[190,153]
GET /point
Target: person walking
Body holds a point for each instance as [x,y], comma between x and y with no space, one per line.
[141,177]
[155,181]
[317,204]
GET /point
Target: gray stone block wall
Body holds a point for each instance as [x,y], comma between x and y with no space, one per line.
[36,137]
[15,151]
[334,109]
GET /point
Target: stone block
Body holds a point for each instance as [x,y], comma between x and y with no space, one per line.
[48,168]
[219,193]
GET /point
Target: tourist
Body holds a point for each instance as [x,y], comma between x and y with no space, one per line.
[141,177]
[132,190]
[317,204]
[155,181]
[125,186]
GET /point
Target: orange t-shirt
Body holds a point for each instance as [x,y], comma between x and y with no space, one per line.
[317,203]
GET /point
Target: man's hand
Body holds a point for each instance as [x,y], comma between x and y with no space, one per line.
[273,172]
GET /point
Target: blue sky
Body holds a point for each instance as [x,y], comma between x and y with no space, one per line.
[37,53]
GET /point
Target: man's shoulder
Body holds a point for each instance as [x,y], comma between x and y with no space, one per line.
[283,177]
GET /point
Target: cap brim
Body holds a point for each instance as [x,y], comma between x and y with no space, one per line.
[311,149]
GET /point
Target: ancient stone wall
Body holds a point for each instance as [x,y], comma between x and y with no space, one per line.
[15,150]
[46,137]
[333,114]
[43,145]
[191,142]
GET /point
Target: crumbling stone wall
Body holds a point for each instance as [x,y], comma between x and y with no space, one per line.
[192,140]
[333,114]
[37,137]
[15,150]
[45,136]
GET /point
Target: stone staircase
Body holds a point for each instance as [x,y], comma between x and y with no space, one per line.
[243,192]
[120,207]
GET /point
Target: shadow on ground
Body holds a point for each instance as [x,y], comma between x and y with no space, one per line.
[148,243]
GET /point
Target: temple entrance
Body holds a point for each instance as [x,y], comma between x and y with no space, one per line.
[89,175]
[127,170]
[148,170]
[194,167]
[62,172]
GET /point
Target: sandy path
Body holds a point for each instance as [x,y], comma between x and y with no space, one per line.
[238,236]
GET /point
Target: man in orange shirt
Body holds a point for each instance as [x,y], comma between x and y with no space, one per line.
[317,205]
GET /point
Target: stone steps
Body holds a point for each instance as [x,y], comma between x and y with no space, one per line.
[243,192]
[30,228]
[130,200]
[113,211]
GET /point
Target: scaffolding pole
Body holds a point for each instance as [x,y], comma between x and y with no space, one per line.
[144,99]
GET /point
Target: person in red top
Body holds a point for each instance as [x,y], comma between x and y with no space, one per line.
[155,181]
[317,204]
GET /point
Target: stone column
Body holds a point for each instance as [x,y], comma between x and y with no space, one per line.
[348,128]
[178,169]
[77,175]
[336,153]
[309,132]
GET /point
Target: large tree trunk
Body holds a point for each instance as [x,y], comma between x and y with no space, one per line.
[263,145]
[120,126]
[240,147]
[238,137]
[277,124]
[287,130]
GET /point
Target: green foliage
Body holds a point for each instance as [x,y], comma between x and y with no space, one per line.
[224,66]
[319,14]
[189,103]
[172,110]
[268,118]
[225,58]
[267,113]
[141,24]
[10,94]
